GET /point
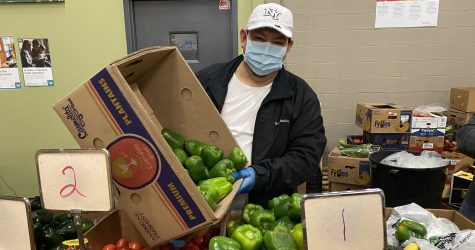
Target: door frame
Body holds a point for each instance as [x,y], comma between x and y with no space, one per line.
[131,35]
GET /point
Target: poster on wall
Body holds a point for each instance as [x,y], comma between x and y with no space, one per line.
[9,76]
[36,62]
[406,13]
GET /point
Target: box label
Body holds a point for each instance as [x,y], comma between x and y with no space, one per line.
[128,123]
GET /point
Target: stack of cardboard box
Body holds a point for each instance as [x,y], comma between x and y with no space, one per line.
[384,124]
[461,109]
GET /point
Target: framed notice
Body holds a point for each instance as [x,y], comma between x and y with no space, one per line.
[15,218]
[9,76]
[30,1]
[350,220]
[35,59]
[75,179]
[406,13]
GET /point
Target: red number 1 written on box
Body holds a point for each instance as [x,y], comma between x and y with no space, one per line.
[72,187]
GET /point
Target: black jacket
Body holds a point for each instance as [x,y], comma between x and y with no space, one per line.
[289,137]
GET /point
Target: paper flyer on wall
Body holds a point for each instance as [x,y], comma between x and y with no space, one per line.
[406,13]
[36,62]
[9,76]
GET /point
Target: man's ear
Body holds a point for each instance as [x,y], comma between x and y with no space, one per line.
[243,38]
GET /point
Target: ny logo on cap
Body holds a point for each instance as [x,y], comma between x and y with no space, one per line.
[272,13]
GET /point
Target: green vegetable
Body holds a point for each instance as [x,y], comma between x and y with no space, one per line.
[223,243]
[180,154]
[221,183]
[61,220]
[211,195]
[342,143]
[407,228]
[173,139]
[286,222]
[262,219]
[42,216]
[194,147]
[294,207]
[231,226]
[282,209]
[211,155]
[355,152]
[35,203]
[297,236]
[279,239]
[224,168]
[52,238]
[196,168]
[238,158]
[248,210]
[249,237]
[277,200]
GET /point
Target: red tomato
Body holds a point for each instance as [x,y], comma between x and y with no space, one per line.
[189,244]
[148,248]
[135,245]
[168,246]
[191,247]
[198,240]
[109,247]
[121,243]
[123,248]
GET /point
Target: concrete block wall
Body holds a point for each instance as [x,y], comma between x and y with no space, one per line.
[346,60]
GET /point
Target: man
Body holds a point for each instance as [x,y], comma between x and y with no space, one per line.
[466,145]
[274,115]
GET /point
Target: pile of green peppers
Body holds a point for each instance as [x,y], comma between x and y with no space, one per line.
[206,165]
[278,227]
[50,232]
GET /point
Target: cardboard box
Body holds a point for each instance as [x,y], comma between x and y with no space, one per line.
[458,161]
[348,170]
[383,117]
[430,143]
[335,187]
[463,99]
[461,181]
[456,119]
[398,141]
[112,227]
[123,108]
[428,126]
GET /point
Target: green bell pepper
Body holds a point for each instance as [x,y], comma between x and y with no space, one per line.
[52,238]
[42,216]
[211,155]
[173,139]
[194,147]
[262,219]
[248,210]
[277,200]
[282,209]
[196,168]
[279,239]
[285,221]
[224,168]
[407,228]
[221,183]
[223,243]
[180,154]
[231,226]
[249,237]
[61,220]
[294,207]
[297,236]
[238,158]
[210,194]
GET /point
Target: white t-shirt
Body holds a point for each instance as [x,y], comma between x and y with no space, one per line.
[240,110]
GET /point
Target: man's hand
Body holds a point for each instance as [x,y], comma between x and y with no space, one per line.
[249,179]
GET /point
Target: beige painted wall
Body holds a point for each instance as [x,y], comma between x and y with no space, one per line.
[245,8]
[84,35]
[345,60]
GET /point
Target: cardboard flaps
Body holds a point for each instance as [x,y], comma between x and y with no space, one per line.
[123,108]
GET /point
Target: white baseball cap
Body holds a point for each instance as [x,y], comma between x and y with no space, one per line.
[272,15]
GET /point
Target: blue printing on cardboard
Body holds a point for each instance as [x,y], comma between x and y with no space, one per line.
[130,124]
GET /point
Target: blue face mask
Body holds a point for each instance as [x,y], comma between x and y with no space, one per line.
[263,57]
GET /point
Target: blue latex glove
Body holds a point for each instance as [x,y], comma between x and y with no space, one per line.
[249,179]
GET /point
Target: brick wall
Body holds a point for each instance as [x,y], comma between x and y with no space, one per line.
[345,60]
